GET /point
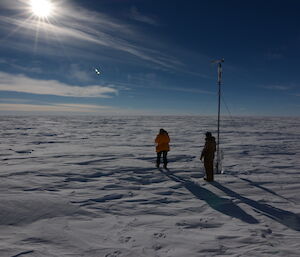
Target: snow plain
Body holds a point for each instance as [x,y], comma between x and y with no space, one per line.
[87,186]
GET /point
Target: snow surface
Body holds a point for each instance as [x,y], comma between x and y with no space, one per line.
[87,186]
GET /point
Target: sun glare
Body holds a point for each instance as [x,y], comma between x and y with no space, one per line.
[41,8]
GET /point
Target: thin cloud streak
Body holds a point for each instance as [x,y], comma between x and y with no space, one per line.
[65,108]
[137,16]
[277,87]
[79,108]
[75,27]
[127,86]
[24,84]
[11,63]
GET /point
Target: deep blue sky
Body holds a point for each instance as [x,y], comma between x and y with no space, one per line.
[154,57]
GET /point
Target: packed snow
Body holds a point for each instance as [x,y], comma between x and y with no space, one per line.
[88,186]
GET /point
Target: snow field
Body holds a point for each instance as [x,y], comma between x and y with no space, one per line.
[87,186]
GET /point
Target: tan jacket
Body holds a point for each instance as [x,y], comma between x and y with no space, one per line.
[209,149]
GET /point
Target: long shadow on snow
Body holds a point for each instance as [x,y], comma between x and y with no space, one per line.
[219,204]
[286,218]
[258,185]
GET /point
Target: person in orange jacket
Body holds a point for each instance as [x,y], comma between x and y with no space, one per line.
[162,141]
[208,153]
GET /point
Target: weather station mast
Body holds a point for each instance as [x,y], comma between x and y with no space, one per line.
[219,63]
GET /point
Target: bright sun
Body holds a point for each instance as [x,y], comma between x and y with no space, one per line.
[41,8]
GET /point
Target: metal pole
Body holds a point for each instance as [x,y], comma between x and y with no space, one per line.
[219,111]
[219,62]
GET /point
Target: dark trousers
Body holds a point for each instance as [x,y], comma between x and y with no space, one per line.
[209,169]
[164,154]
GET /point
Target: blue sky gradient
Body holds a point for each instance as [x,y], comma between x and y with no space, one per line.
[154,57]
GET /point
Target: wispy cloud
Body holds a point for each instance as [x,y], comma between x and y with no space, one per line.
[24,84]
[79,74]
[13,64]
[79,108]
[278,87]
[135,14]
[151,81]
[274,56]
[65,108]
[77,26]
[191,90]
[125,86]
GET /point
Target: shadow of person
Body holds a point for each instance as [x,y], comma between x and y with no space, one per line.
[286,218]
[225,206]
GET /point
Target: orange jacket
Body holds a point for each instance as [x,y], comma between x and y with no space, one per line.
[162,142]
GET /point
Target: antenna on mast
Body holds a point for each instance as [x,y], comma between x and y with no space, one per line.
[219,63]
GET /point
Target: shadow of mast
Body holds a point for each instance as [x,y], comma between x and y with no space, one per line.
[286,218]
[222,205]
[256,184]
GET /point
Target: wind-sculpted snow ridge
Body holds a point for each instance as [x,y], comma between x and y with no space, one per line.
[87,186]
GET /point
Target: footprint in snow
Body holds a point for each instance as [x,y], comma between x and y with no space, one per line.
[159,235]
[124,239]
[114,254]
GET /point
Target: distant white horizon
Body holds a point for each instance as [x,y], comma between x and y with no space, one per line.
[97,110]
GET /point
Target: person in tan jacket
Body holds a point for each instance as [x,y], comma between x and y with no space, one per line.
[208,153]
[162,141]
